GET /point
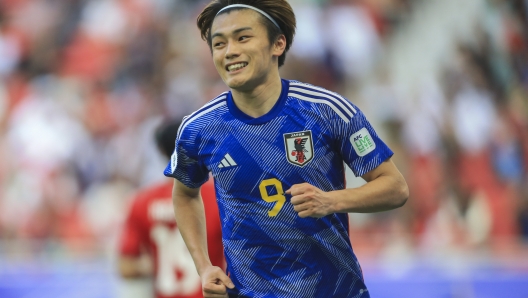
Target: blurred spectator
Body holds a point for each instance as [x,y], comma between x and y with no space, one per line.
[151,244]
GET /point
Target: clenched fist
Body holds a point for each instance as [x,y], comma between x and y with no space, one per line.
[310,201]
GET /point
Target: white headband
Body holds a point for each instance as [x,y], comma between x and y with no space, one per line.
[250,7]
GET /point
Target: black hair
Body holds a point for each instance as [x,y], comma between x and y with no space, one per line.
[279,10]
[166,136]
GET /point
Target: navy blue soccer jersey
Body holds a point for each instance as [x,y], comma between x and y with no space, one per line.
[306,137]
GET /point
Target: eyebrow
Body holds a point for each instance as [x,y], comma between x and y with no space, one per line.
[234,32]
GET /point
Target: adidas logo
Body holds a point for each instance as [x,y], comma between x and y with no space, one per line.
[227,162]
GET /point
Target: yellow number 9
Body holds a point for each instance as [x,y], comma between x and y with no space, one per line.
[279,197]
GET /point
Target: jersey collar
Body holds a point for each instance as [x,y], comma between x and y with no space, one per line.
[277,108]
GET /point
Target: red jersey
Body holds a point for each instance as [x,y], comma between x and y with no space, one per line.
[150,226]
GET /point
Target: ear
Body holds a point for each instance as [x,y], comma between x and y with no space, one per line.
[279,46]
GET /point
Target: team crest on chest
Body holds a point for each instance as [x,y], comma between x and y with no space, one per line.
[299,147]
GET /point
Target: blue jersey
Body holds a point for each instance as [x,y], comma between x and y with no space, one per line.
[306,137]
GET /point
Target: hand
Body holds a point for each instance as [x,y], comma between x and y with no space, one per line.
[214,283]
[310,201]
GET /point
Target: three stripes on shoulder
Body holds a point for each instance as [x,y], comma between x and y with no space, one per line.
[342,107]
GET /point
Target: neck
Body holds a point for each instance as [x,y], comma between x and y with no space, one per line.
[260,100]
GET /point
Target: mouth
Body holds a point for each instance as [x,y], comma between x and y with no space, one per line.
[236,66]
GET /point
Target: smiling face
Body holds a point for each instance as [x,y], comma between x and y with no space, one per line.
[241,50]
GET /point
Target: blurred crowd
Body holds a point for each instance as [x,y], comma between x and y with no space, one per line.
[462,140]
[85,83]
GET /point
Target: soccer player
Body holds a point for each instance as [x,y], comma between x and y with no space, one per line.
[150,229]
[276,149]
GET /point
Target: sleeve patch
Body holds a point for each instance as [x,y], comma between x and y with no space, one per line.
[174,161]
[362,142]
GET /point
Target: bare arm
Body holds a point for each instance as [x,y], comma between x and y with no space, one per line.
[385,189]
[190,217]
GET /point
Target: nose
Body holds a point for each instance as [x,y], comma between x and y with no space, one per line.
[232,50]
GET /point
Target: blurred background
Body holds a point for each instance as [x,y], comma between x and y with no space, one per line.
[84,84]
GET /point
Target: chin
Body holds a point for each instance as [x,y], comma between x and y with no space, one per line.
[236,83]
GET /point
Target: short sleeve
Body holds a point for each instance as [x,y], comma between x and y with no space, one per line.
[185,164]
[130,241]
[360,146]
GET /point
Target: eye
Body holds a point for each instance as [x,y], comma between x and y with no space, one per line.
[218,44]
[242,38]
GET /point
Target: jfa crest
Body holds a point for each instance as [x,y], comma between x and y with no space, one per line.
[299,147]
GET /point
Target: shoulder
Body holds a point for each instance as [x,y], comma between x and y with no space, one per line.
[145,197]
[339,105]
[202,116]
[156,191]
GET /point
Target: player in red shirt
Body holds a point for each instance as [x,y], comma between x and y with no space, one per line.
[150,228]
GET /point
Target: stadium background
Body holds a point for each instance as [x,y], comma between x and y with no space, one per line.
[84,83]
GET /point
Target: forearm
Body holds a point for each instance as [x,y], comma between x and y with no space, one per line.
[381,194]
[190,218]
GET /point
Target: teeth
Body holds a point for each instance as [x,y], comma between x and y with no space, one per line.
[236,66]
